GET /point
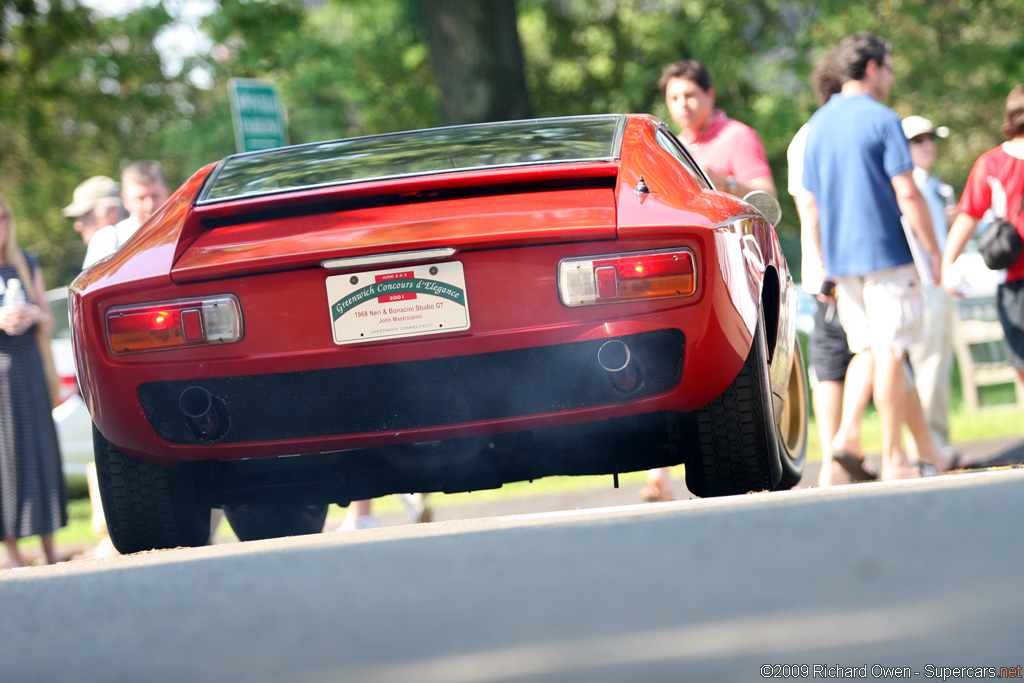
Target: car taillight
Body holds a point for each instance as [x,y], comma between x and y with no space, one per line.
[618,278]
[164,325]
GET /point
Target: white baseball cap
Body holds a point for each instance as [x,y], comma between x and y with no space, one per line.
[96,191]
[919,125]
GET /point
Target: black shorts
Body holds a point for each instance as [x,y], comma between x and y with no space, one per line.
[1010,305]
[829,352]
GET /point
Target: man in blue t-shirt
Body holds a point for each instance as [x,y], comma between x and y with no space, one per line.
[858,171]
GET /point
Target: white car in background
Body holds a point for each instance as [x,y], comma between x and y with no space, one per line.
[74,424]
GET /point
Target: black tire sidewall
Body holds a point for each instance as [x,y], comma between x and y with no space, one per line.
[738,444]
[148,507]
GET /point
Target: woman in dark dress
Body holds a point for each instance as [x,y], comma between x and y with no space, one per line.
[33,498]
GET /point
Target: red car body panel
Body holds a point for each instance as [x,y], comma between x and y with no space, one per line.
[267,251]
[484,222]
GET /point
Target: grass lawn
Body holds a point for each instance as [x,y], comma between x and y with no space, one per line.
[994,421]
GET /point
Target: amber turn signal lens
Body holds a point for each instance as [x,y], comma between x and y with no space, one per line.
[618,278]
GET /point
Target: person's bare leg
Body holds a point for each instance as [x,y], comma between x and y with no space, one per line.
[890,394]
[659,485]
[14,553]
[856,395]
[932,360]
[49,549]
[928,450]
[361,507]
[104,546]
[359,516]
[99,522]
[828,413]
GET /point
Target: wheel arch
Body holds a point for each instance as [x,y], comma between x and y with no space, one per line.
[771,291]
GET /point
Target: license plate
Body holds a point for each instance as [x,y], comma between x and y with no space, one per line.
[398,302]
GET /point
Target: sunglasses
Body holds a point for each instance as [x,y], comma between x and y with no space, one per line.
[920,139]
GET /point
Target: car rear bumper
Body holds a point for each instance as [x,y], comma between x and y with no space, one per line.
[395,397]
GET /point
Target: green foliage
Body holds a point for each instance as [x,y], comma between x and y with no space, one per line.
[83,95]
[349,68]
[585,57]
[955,63]
[78,97]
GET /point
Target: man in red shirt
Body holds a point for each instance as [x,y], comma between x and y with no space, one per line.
[731,152]
[996,183]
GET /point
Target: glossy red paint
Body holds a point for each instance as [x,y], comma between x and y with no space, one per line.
[266,251]
[485,222]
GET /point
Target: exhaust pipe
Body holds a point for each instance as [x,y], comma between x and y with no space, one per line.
[615,358]
[203,411]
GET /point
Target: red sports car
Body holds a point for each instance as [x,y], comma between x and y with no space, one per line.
[438,310]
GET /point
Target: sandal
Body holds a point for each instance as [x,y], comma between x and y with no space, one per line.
[958,461]
[854,466]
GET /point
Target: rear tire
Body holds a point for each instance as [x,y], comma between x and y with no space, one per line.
[738,441]
[148,507]
[257,521]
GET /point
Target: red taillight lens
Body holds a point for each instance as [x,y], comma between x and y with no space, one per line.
[617,278]
[165,325]
[607,282]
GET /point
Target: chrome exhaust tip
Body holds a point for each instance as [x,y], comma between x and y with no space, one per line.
[203,411]
[615,358]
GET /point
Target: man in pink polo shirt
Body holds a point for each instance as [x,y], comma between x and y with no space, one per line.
[731,152]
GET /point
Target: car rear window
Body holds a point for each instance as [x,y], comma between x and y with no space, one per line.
[422,152]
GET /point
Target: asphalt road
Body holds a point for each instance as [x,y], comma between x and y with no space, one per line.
[917,574]
[1002,452]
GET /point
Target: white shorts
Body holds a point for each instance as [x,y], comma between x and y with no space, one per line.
[881,310]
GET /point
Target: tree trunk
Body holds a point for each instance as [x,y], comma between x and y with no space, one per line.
[477,59]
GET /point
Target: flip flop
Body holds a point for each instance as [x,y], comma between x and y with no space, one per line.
[854,466]
[959,461]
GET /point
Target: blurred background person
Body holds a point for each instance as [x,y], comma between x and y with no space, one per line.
[96,207]
[33,498]
[932,357]
[143,191]
[858,175]
[838,385]
[996,182]
[96,203]
[360,512]
[731,152]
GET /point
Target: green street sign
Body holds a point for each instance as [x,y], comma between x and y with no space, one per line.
[258,115]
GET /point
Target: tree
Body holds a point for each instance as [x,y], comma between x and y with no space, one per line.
[79,96]
[477,60]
